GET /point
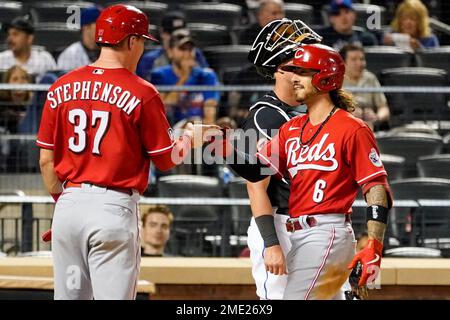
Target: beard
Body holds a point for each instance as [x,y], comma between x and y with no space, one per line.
[302,94]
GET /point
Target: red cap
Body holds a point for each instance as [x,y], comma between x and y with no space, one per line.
[119,21]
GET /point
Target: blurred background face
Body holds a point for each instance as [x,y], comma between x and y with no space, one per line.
[19,76]
[409,24]
[180,53]
[355,63]
[156,230]
[343,21]
[18,40]
[271,11]
[88,36]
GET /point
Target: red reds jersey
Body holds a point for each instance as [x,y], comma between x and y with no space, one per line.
[327,172]
[103,126]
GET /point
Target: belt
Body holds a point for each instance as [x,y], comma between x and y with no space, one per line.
[293,224]
[70,184]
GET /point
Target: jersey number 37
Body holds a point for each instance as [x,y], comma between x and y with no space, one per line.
[79,119]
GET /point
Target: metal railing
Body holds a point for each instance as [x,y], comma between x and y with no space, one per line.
[221,242]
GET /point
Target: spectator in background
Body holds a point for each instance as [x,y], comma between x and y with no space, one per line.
[156,224]
[268,11]
[372,107]
[14,102]
[410,28]
[21,52]
[82,52]
[183,71]
[158,57]
[341,32]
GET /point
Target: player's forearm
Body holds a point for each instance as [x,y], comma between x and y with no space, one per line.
[376,196]
[376,230]
[179,152]
[259,200]
[49,176]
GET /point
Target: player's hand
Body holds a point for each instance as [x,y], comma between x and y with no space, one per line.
[274,260]
[370,258]
[200,133]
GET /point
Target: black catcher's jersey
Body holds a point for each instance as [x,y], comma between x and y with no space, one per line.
[266,116]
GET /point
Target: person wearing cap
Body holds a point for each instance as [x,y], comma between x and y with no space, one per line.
[85,51]
[158,57]
[21,52]
[342,18]
[184,71]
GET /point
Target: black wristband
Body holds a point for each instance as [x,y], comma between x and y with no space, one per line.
[377,213]
[266,226]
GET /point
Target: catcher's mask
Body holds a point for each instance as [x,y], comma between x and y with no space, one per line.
[277,43]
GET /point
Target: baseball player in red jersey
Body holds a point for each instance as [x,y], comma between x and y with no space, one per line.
[328,154]
[101,125]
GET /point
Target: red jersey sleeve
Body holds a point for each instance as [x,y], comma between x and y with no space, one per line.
[46,128]
[363,156]
[156,133]
[273,153]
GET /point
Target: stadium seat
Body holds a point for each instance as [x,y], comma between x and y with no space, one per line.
[428,225]
[300,11]
[394,165]
[435,58]
[193,222]
[446,143]
[227,14]
[411,146]
[206,34]
[223,58]
[56,11]
[408,107]
[385,57]
[364,12]
[9,10]
[413,252]
[241,215]
[437,166]
[55,36]
[154,10]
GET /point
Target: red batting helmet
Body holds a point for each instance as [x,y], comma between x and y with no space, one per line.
[119,21]
[327,61]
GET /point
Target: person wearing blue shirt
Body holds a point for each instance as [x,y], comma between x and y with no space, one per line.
[183,71]
[158,57]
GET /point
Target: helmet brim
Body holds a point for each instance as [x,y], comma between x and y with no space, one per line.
[148,36]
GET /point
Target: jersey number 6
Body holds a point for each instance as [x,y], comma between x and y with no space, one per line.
[79,118]
[318,190]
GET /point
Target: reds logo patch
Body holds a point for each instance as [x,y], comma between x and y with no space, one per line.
[375,158]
